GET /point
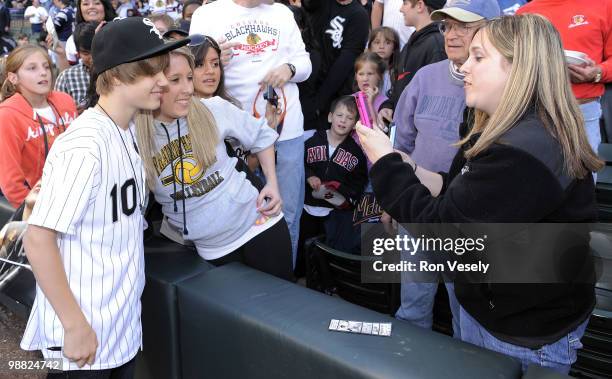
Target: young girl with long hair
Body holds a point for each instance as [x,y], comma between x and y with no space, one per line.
[369,72]
[208,73]
[384,41]
[526,160]
[195,181]
[33,116]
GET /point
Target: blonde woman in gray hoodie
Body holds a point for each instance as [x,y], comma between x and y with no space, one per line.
[204,198]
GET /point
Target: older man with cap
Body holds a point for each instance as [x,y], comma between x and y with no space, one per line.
[428,115]
[425,46]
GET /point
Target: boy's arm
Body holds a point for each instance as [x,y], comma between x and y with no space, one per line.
[80,342]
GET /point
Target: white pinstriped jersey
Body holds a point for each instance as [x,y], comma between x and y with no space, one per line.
[89,195]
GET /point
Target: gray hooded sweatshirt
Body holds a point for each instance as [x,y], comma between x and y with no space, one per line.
[214,206]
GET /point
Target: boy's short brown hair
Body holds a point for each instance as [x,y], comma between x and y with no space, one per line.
[128,73]
[348,102]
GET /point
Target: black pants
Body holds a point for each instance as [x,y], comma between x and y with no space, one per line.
[269,252]
[125,371]
[310,226]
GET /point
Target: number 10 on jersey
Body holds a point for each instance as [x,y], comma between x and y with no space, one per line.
[128,190]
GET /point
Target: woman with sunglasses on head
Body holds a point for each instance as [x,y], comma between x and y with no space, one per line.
[196,182]
[527,160]
[208,74]
[209,81]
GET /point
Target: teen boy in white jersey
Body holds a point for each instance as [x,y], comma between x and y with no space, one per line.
[84,240]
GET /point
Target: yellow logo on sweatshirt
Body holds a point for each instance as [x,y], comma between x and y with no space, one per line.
[188,171]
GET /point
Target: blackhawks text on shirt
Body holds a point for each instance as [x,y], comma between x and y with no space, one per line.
[267,38]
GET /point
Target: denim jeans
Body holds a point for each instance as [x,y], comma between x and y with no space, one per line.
[290,174]
[418,292]
[592,113]
[418,301]
[559,355]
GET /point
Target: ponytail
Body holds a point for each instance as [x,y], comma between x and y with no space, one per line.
[7,90]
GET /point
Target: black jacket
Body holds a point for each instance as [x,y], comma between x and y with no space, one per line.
[341,33]
[424,47]
[5,20]
[518,180]
[347,166]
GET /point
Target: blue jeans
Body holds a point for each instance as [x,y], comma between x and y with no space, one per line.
[592,113]
[559,355]
[418,301]
[418,292]
[290,175]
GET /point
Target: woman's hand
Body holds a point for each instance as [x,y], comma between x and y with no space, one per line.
[375,143]
[269,201]
[406,158]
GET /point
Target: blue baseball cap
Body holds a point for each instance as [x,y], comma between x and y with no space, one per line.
[468,10]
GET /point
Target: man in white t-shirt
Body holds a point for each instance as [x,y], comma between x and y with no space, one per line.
[387,13]
[36,15]
[85,235]
[263,46]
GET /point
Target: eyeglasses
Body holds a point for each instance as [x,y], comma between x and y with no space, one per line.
[461,29]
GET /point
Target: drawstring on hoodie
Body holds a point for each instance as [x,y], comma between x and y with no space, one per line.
[171,169]
[178,125]
[44,131]
[59,115]
[185,231]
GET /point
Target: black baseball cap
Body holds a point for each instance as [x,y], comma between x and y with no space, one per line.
[128,40]
[179,31]
[435,4]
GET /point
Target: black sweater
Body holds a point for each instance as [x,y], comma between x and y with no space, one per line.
[518,180]
[424,47]
[341,32]
[347,166]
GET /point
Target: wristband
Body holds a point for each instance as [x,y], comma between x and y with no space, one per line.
[292,69]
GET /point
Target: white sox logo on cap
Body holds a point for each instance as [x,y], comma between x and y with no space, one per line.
[154,29]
